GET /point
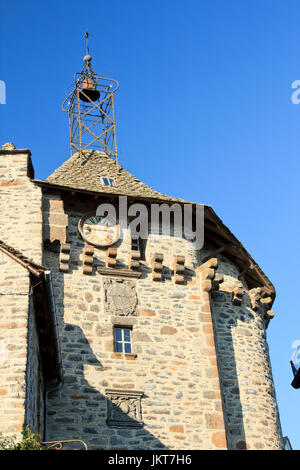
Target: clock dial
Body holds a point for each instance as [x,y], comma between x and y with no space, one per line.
[99,231]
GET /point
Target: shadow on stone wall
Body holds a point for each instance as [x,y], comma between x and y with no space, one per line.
[79,410]
[247,346]
[224,319]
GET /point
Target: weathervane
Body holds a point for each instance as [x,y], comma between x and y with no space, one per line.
[90,107]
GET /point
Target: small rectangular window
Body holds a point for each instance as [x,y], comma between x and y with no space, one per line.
[122,337]
[109,181]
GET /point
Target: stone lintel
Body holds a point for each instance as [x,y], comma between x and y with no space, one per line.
[119,272]
[124,392]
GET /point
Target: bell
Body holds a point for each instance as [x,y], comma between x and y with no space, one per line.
[88,88]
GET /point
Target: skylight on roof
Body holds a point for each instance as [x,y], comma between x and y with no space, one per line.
[108,181]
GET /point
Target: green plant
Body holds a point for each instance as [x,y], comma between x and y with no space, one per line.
[28,441]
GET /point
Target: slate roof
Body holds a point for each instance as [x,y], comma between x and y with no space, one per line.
[86,174]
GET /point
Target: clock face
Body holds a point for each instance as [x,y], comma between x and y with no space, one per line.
[98,231]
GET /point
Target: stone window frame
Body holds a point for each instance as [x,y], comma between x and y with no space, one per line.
[132,402]
[122,328]
[123,322]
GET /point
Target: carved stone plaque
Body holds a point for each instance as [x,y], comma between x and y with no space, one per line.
[124,408]
[120,297]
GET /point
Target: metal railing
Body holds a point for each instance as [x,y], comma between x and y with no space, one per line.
[59,445]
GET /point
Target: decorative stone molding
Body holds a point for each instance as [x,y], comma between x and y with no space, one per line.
[111,258]
[64,257]
[157,266]
[120,297]
[88,259]
[124,408]
[179,269]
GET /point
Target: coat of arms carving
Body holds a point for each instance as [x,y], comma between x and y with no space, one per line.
[124,408]
[120,297]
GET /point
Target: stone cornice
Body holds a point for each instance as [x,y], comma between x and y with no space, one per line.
[15,152]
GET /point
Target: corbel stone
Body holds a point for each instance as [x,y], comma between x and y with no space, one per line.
[266,298]
[88,259]
[262,298]
[206,274]
[267,317]
[111,258]
[134,260]
[237,296]
[179,269]
[218,279]
[64,257]
[254,295]
[157,266]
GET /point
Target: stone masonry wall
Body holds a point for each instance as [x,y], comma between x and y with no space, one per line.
[21,385]
[250,406]
[14,290]
[184,338]
[21,228]
[179,351]
[173,361]
[20,204]
[199,376]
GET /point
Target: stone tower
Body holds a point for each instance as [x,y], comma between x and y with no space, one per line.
[121,341]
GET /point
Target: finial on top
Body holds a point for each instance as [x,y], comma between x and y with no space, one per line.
[87,58]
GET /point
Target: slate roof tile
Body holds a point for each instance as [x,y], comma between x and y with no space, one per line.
[86,173]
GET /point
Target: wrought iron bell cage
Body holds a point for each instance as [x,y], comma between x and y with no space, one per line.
[90,108]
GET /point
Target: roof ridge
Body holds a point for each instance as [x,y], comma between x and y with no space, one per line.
[87,175]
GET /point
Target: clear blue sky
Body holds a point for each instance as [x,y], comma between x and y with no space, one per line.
[204,112]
